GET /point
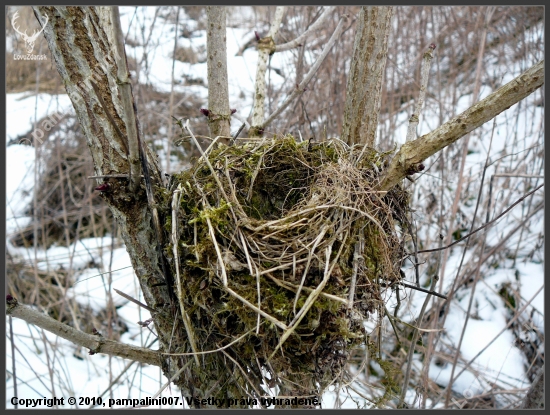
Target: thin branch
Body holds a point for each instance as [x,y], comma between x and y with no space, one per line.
[96,344]
[487,224]
[172,92]
[424,77]
[303,37]
[413,153]
[413,343]
[414,287]
[115,380]
[508,325]
[173,378]
[133,300]
[312,71]
[357,255]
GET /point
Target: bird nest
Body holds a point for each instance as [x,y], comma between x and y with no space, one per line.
[281,250]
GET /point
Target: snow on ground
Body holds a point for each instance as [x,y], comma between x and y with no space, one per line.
[499,359]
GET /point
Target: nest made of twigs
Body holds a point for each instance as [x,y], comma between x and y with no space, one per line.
[287,247]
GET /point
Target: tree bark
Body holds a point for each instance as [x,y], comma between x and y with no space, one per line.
[219,113]
[535,395]
[266,48]
[81,40]
[364,85]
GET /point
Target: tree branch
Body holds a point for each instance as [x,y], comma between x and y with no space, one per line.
[266,47]
[312,71]
[219,113]
[485,225]
[303,37]
[424,77]
[411,154]
[125,88]
[95,342]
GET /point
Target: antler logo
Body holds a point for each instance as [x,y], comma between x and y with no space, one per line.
[29,40]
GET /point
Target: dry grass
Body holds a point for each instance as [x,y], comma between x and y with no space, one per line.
[287,244]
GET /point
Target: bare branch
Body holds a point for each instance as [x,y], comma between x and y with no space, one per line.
[312,71]
[435,278]
[303,37]
[487,224]
[133,300]
[414,287]
[425,72]
[266,47]
[96,343]
[411,154]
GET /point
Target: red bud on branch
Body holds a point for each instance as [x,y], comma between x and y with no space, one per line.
[103,187]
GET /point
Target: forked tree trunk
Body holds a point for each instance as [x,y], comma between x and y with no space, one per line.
[364,85]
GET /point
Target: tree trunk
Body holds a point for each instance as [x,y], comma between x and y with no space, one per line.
[364,85]
[535,395]
[266,47]
[81,40]
[219,113]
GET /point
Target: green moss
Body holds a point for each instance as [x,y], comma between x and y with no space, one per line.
[269,181]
